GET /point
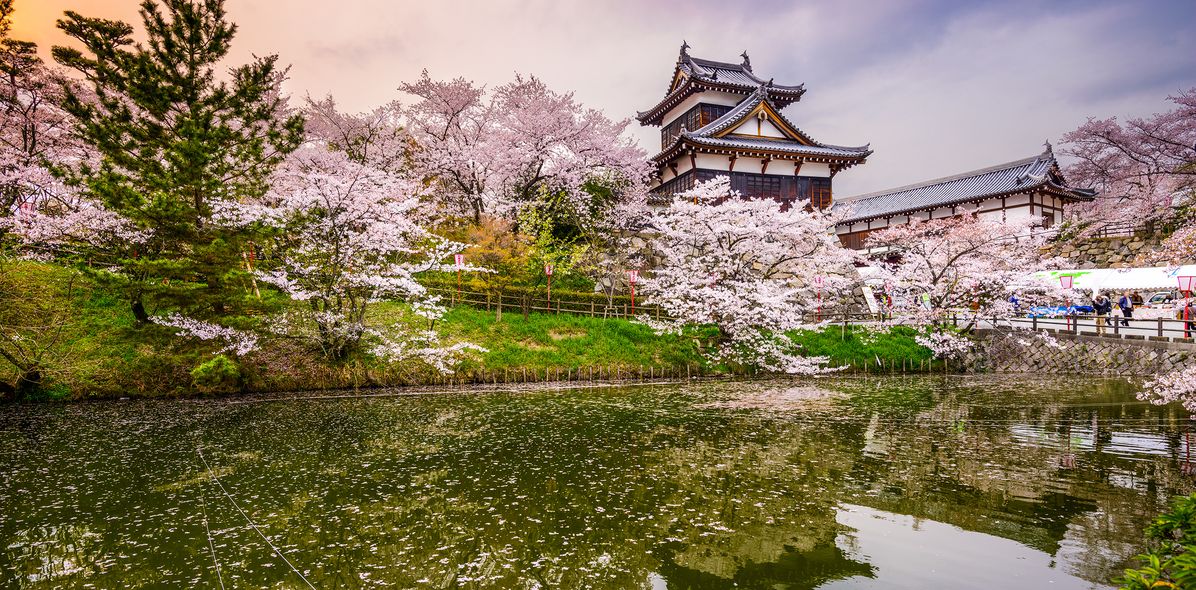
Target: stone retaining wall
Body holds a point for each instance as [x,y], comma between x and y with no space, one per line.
[1065,353]
[1104,252]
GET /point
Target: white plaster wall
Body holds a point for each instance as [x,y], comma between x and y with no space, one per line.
[767,129]
[777,167]
[1022,213]
[683,165]
[712,161]
[756,128]
[817,169]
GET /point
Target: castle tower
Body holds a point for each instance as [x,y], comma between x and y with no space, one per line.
[719,118]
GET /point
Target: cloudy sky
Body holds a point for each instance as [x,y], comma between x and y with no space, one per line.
[937,87]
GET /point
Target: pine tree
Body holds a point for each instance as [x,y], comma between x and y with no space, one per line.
[176,142]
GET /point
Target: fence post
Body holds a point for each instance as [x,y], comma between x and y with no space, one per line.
[1034,323]
[1160,327]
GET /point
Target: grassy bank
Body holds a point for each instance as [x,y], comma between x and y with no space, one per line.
[861,350]
[100,352]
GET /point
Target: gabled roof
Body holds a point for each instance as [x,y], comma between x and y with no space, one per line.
[718,135]
[1036,173]
[693,74]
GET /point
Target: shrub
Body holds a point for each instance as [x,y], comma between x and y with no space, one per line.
[219,375]
[1171,559]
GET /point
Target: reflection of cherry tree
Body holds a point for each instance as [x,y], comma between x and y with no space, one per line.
[746,268]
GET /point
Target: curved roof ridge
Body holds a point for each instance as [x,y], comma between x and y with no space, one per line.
[1027,174]
[943,179]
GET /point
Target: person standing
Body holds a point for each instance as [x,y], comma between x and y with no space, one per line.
[1103,307]
[1126,304]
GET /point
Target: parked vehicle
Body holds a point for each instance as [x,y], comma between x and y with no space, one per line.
[1160,298]
[1054,311]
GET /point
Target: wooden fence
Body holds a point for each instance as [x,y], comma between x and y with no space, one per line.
[568,303]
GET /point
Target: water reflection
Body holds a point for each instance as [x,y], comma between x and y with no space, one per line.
[958,481]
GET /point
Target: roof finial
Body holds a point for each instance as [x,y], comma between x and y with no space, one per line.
[747,61]
[684,49]
[1049,150]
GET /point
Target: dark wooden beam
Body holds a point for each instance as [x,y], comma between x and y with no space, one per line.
[731,163]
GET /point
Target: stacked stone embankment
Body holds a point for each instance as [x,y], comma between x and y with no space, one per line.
[1004,352]
[1105,252]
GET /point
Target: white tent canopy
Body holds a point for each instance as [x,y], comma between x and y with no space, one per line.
[1117,279]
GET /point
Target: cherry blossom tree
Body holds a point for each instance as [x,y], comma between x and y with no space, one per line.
[746,268]
[1138,166]
[1179,248]
[965,263]
[963,266]
[35,134]
[498,152]
[237,342]
[347,234]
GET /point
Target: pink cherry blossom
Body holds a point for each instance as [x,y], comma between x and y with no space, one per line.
[1138,166]
[237,342]
[1177,386]
[945,345]
[348,233]
[494,152]
[958,265]
[745,267]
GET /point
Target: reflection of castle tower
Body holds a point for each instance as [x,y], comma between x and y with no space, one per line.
[718,118]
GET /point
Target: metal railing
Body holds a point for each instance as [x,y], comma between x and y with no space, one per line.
[1157,329]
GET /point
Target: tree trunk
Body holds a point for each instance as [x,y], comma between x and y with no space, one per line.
[29,381]
[139,311]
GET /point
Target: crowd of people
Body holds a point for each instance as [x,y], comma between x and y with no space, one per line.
[1106,310]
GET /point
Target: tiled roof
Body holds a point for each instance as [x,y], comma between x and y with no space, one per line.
[1036,172]
[782,145]
[728,73]
[706,135]
[693,74]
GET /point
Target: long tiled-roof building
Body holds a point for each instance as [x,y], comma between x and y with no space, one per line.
[1031,186]
[719,118]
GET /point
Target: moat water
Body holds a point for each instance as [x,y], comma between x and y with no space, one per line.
[921,482]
